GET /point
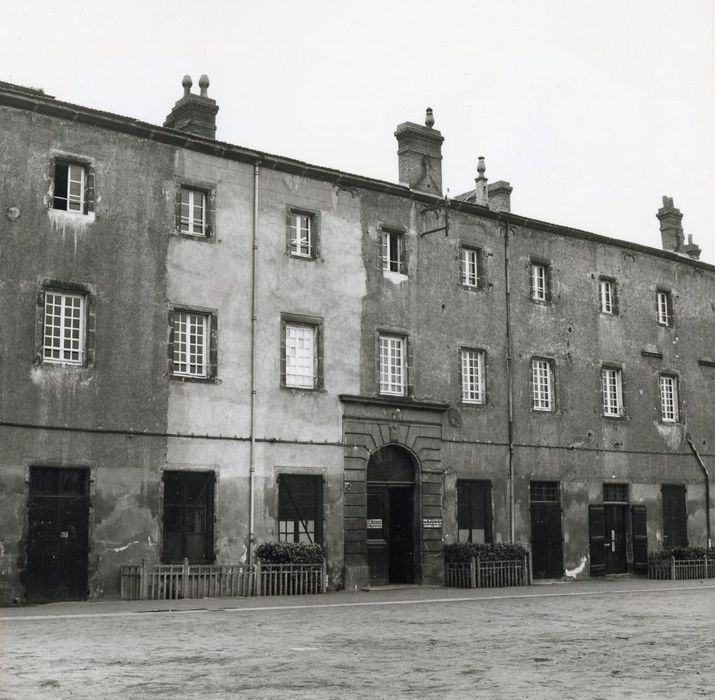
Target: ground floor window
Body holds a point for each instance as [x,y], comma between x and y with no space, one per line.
[300,508]
[474,511]
[188,517]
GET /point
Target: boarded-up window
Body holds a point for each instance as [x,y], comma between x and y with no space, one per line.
[474,511]
[300,509]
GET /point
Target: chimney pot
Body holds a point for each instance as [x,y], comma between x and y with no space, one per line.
[204,85]
[186,84]
[429,118]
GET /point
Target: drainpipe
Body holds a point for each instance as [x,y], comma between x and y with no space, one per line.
[707,487]
[510,384]
[252,447]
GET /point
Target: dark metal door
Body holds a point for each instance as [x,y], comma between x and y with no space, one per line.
[58,542]
[401,545]
[614,516]
[546,540]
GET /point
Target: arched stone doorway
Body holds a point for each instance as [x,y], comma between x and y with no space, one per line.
[392,537]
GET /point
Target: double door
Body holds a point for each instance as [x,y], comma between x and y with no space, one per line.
[618,543]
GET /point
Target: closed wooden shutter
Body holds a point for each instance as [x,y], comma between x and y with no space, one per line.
[597,540]
[640,540]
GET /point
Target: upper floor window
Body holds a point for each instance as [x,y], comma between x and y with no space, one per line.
[393,251]
[470,267]
[664,307]
[473,376]
[193,212]
[669,398]
[392,362]
[193,344]
[72,188]
[540,281]
[612,391]
[302,234]
[301,352]
[64,327]
[542,384]
[608,295]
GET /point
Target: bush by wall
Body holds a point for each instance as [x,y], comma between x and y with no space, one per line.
[683,553]
[503,551]
[290,553]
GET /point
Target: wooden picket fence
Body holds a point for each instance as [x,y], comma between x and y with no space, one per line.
[174,581]
[487,574]
[681,569]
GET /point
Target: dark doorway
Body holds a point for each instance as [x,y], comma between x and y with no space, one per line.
[188,517]
[391,538]
[546,534]
[58,543]
[675,516]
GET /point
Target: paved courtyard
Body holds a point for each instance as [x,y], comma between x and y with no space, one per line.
[601,639]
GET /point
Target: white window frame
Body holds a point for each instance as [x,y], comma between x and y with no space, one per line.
[194,222]
[669,401]
[542,383]
[612,391]
[301,356]
[607,290]
[539,281]
[191,358]
[64,323]
[663,305]
[392,364]
[302,234]
[393,251]
[473,370]
[75,202]
[470,267]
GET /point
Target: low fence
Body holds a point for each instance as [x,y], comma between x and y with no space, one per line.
[681,569]
[174,581]
[487,574]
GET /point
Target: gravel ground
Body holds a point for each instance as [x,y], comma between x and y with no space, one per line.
[601,640]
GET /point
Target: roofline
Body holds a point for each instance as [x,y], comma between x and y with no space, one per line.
[35,101]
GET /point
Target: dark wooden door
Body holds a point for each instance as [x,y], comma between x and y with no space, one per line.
[378,533]
[640,539]
[401,537]
[597,540]
[547,540]
[614,516]
[58,542]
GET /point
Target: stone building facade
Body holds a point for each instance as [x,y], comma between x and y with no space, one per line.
[205,347]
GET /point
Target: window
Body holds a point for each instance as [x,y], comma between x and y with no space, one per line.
[542,385]
[192,344]
[302,234]
[188,517]
[300,509]
[301,352]
[664,307]
[64,319]
[474,511]
[615,493]
[392,365]
[393,253]
[544,492]
[608,294]
[70,184]
[470,267]
[612,388]
[193,214]
[473,376]
[669,398]
[540,282]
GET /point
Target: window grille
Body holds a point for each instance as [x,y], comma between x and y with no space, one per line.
[470,267]
[473,376]
[300,358]
[669,398]
[539,282]
[392,365]
[393,251]
[612,389]
[64,328]
[69,187]
[615,493]
[192,218]
[301,235]
[191,344]
[544,492]
[542,385]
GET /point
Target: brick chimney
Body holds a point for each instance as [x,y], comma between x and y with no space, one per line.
[499,195]
[195,114]
[671,227]
[419,153]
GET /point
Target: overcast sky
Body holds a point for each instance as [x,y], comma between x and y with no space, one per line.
[592,110]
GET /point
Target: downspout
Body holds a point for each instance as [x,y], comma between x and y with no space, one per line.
[707,487]
[252,447]
[510,385]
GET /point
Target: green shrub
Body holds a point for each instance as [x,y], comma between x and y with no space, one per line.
[683,553]
[503,551]
[290,553]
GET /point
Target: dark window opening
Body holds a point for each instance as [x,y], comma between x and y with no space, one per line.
[544,492]
[300,509]
[474,511]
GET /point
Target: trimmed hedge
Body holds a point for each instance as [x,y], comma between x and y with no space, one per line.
[683,553]
[290,553]
[503,551]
